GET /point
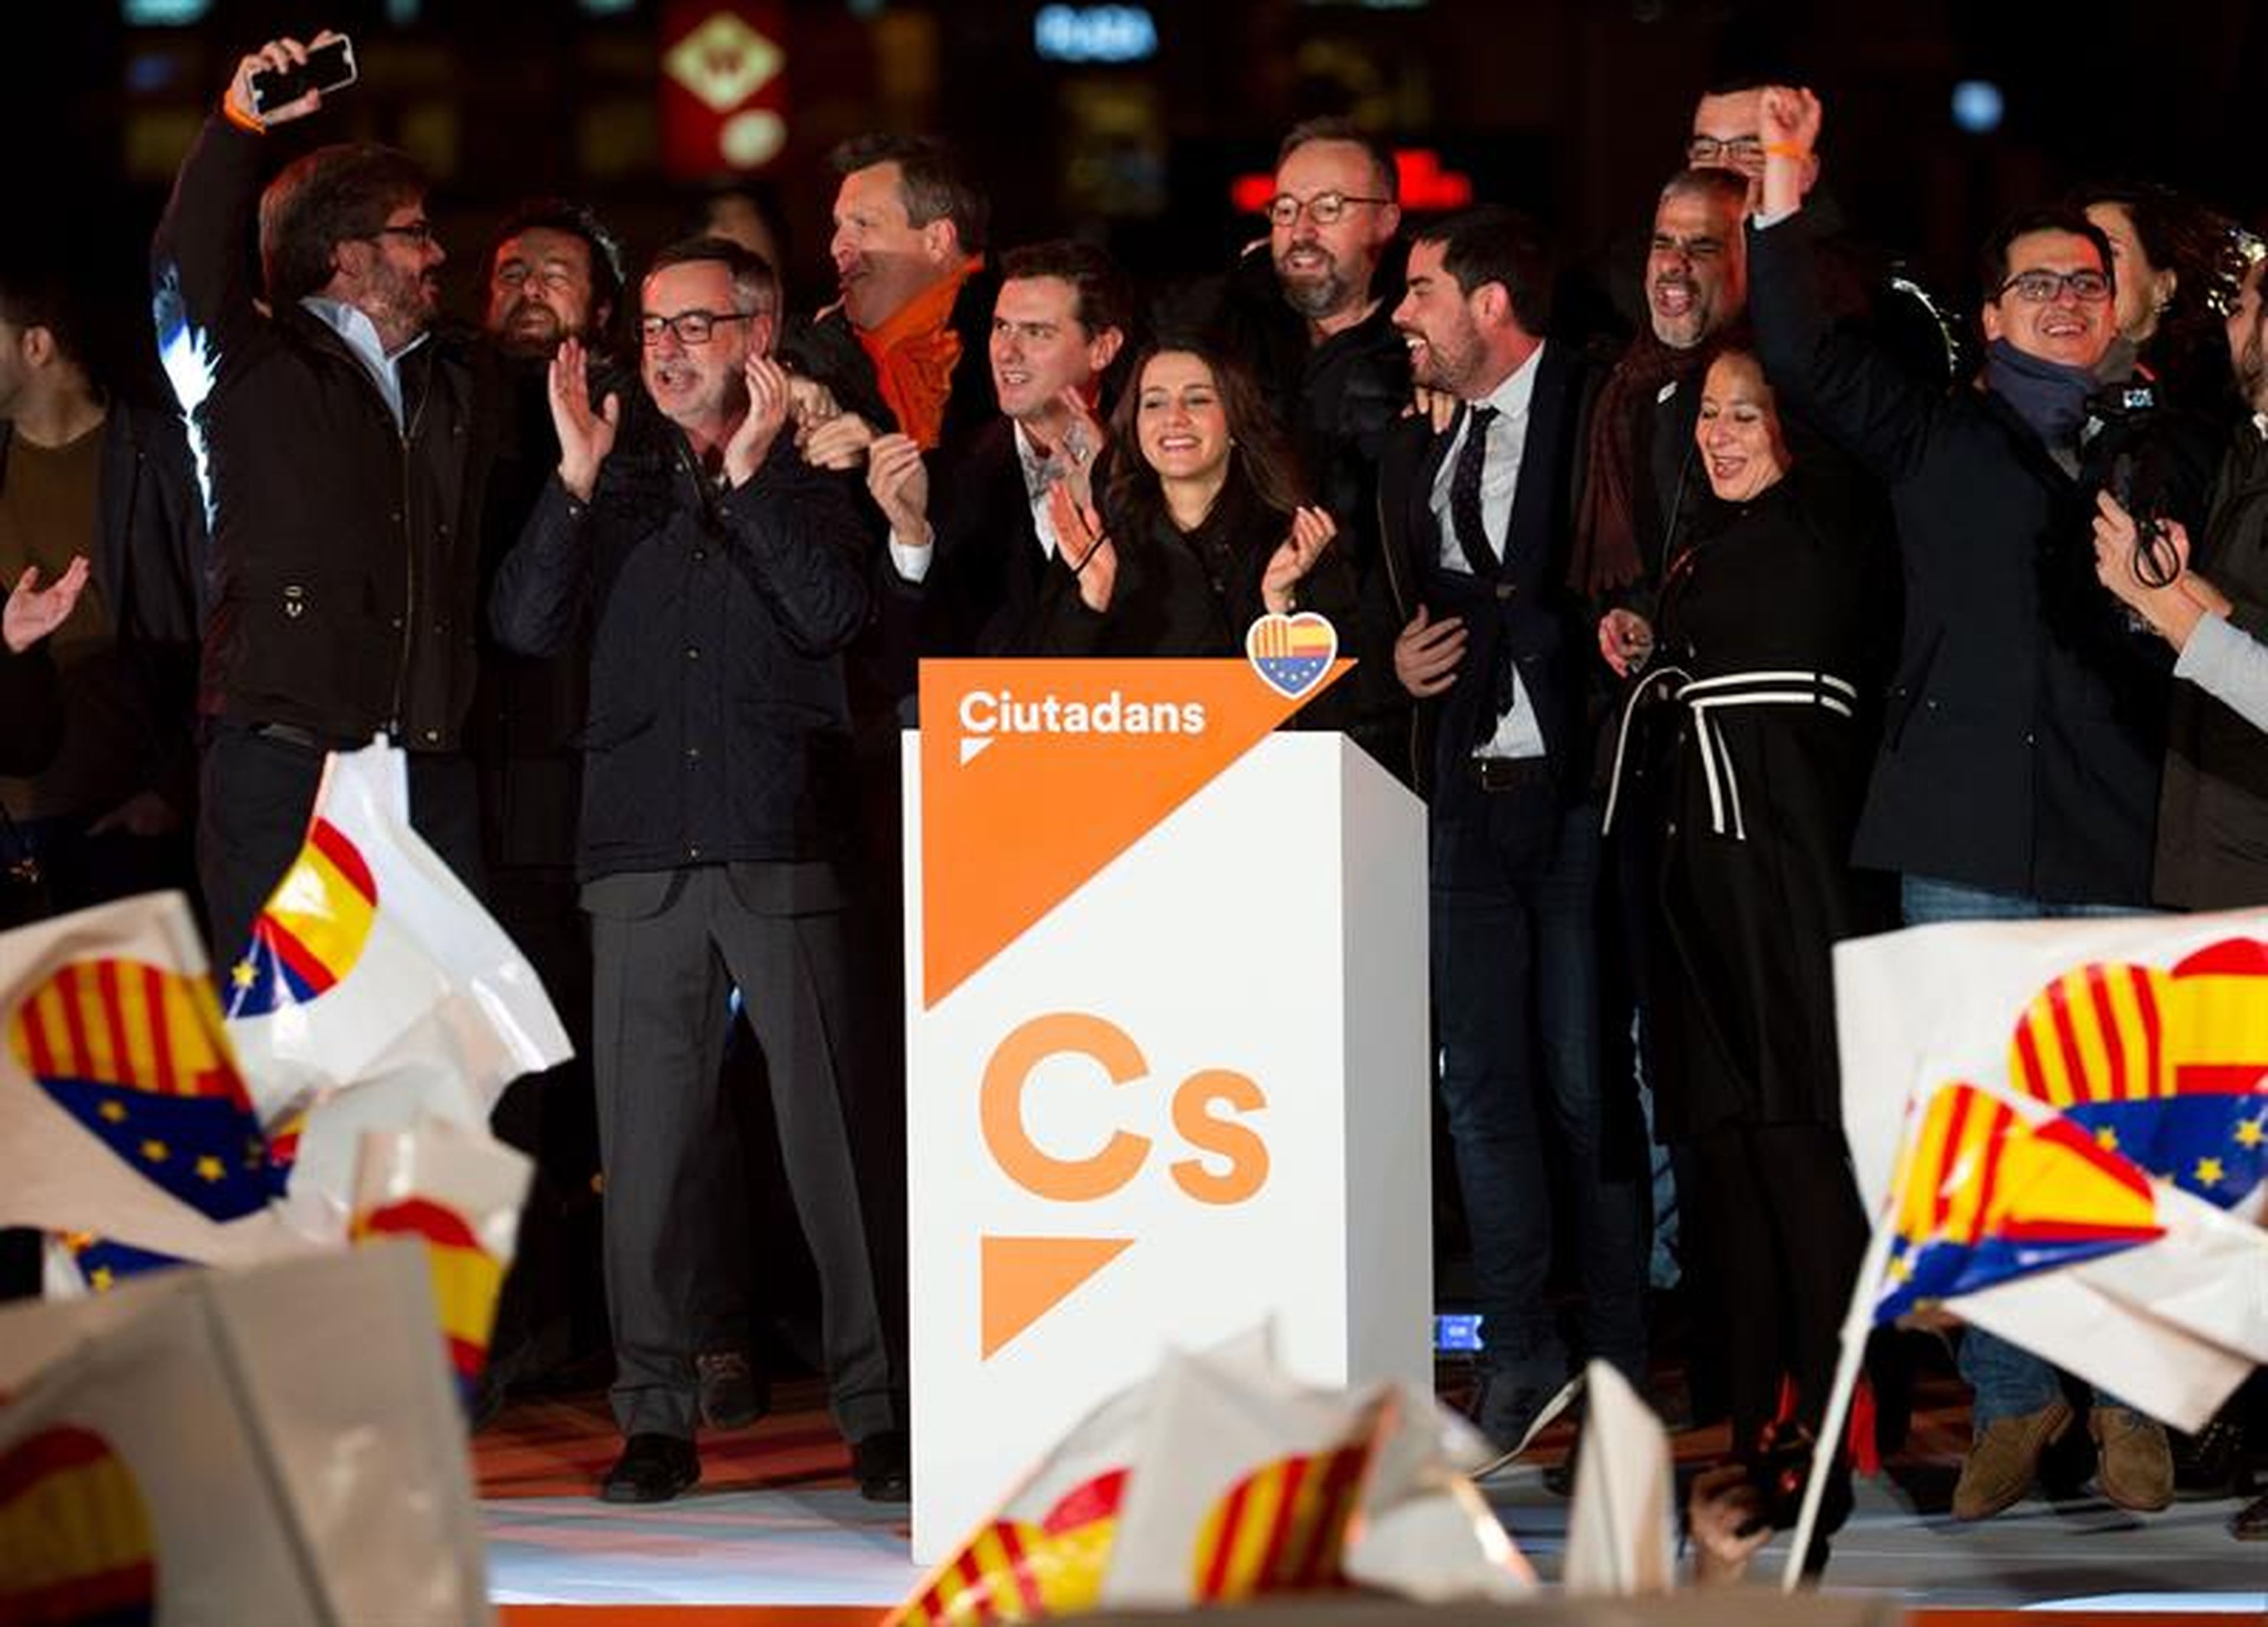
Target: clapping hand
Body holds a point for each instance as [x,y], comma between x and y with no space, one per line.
[1083,441]
[769,394]
[899,481]
[586,436]
[1083,547]
[1312,531]
[34,612]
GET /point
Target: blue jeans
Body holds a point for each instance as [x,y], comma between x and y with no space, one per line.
[2008,1380]
[1515,894]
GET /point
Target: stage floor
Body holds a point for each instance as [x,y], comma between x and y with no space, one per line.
[778,1528]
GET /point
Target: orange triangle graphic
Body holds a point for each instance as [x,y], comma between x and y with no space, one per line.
[1072,763]
[1023,1278]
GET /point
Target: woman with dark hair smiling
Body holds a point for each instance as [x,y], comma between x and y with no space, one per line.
[1769,633]
[1201,528]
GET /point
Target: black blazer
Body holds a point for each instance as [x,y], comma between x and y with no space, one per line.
[1527,615]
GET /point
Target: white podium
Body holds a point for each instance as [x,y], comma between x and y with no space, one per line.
[1167,1041]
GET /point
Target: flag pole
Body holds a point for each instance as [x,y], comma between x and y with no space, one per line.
[1858,1322]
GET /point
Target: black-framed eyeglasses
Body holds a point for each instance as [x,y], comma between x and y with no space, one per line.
[418,231]
[688,326]
[1325,209]
[2042,287]
[1713,152]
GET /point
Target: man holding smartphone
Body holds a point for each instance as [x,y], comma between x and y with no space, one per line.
[344,446]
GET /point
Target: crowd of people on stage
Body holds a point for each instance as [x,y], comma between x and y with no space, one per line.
[1794,614]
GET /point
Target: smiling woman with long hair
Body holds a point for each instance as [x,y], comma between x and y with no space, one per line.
[1201,526]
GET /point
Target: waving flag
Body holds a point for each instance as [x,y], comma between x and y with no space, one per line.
[459,1192]
[2169,1068]
[1986,1197]
[122,1113]
[375,990]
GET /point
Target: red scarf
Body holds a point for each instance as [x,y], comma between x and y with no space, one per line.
[914,354]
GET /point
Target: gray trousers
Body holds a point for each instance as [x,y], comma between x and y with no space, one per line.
[666,947]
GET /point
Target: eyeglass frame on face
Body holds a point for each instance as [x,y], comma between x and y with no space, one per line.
[651,328]
[1325,208]
[2052,285]
[418,231]
[1711,152]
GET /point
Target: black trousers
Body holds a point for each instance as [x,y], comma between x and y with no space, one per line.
[256,791]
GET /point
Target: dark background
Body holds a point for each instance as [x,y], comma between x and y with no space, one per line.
[1575,110]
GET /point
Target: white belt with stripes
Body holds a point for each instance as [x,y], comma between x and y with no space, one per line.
[1706,697]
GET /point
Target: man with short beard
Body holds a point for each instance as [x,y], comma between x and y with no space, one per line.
[1476,522]
[346,445]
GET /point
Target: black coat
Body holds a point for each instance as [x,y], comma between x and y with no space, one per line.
[2024,727]
[1527,615]
[2212,818]
[1756,883]
[826,348]
[345,549]
[719,728]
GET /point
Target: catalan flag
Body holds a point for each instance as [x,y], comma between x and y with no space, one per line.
[2168,1069]
[1281,1528]
[75,1539]
[135,1054]
[1018,1570]
[1986,1197]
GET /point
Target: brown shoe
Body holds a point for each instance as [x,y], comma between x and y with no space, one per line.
[2003,1458]
[2134,1462]
[2250,1523]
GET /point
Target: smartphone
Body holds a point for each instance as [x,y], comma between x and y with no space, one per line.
[330,67]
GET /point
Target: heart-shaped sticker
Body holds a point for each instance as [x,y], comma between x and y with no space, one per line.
[1292,653]
[70,1504]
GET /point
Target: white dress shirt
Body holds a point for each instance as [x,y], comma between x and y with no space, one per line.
[361,336]
[1041,472]
[1518,734]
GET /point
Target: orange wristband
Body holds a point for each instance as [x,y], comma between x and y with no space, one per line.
[1786,150]
[243,121]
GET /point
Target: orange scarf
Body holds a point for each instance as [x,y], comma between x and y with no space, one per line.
[914,354]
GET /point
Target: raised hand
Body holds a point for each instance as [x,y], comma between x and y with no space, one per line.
[1084,440]
[1790,116]
[836,442]
[899,481]
[1426,653]
[275,57]
[770,391]
[34,612]
[1626,641]
[1085,550]
[586,436]
[1312,531]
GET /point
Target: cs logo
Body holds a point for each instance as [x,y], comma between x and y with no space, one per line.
[1226,1163]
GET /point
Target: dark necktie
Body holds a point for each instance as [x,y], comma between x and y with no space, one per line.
[1465,494]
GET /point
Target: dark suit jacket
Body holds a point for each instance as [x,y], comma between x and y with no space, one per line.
[1527,615]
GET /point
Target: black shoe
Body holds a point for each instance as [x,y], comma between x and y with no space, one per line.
[732,1395]
[652,1468]
[884,1467]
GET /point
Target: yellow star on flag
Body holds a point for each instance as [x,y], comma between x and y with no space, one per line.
[154,1151]
[2208,1172]
[2106,1138]
[1902,1269]
[2250,1133]
[242,975]
[112,1112]
[100,1279]
[209,1169]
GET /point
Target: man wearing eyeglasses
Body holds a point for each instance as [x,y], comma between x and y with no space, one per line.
[345,445]
[722,577]
[2018,772]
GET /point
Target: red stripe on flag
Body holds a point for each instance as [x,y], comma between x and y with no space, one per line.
[161,1032]
[2231,957]
[2153,1034]
[1028,1586]
[1949,1161]
[1996,1142]
[2219,1079]
[2114,1042]
[295,954]
[326,839]
[1341,1482]
[425,1218]
[975,1590]
[2067,1042]
[114,1023]
[51,1452]
[115,1594]
[67,982]
[2028,1060]
[1280,1530]
[1224,1540]
[35,1041]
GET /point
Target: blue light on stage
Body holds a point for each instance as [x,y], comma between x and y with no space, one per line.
[1977,107]
[1457,1333]
[163,13]
[1094,33]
